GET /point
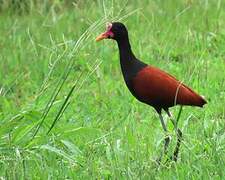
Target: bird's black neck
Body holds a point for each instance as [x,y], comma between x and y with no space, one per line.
[130,65]
[126,55]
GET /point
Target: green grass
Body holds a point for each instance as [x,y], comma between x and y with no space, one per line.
[49,78]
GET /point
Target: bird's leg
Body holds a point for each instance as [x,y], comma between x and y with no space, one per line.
[167,138]
[178,133]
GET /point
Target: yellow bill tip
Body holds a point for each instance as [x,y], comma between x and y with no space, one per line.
[101,36]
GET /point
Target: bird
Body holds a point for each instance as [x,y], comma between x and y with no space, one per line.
[151,85]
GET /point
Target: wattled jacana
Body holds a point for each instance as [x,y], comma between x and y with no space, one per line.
[149,84]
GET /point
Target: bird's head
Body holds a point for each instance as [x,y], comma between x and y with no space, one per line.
[115,30]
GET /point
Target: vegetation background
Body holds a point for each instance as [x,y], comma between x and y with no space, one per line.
[65,112]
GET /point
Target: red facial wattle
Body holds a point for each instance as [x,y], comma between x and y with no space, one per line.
[107,34]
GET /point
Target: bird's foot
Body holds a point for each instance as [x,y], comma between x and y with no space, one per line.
[174,158]
[158,160]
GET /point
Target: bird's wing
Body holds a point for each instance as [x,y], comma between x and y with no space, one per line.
[158,87]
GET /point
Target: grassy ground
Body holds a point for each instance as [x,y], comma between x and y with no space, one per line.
[52,73]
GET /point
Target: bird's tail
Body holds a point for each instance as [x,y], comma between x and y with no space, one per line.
[202,101]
